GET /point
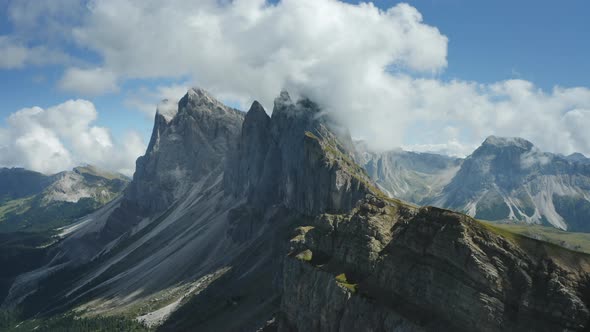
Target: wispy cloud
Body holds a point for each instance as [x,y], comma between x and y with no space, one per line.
[146,100]
[89,82]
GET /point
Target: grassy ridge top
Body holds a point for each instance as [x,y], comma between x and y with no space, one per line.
[569,240]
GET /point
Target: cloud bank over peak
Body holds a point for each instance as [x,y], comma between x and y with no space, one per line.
[375,70]
[63,136]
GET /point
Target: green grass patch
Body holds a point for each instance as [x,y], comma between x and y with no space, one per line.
[311,135]
[305,255]
[15,207]
[95,172]
[343,281]
[569,240]
[506,233]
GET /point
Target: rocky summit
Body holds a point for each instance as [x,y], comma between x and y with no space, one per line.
[31,201]
[510,179]
[506,179]
[246,222]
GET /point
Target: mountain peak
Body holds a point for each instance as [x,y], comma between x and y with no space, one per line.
[171,165]
[502,142]
[197,99]
[303,109]
[576,156]
[283,99]
[198,93]
[256,111]
[294,159]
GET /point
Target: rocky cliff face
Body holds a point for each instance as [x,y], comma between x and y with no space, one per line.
[392,267]
[84,182]
[293,158]
[188,149]
[186,146]
[510,179]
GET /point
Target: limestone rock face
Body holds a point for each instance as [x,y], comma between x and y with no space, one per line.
[84,182]
[293,158]
[411,176]
[184,148]
[245,165]
[510,179]
[187,149]
[505,179]
[392,267]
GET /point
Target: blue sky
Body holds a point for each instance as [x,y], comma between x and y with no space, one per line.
[541,42]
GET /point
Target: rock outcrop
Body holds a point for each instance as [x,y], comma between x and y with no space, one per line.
[186,146]
[293,158]
[388,266]
[187,149]
[84,182]
[510,179]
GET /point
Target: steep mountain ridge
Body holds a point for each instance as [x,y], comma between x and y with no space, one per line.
[185,146]
[17,183]
[577,157]
[37,202]
[275,219]
[146,239]
[84,182]
[410,176]
[506,179]
[510,179]
[297,161]
[393,267]
[187,150]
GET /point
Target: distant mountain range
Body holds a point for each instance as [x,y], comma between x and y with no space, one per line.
[411,176]
[244,221]
[31,201]
[505,179]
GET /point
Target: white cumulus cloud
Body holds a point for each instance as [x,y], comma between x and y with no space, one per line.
[375,70]
[372,68]
[63,136]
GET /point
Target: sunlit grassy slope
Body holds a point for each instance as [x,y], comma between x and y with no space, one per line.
[569,240]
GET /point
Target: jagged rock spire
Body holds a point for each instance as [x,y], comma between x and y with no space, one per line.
[294,159]
[188,148]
